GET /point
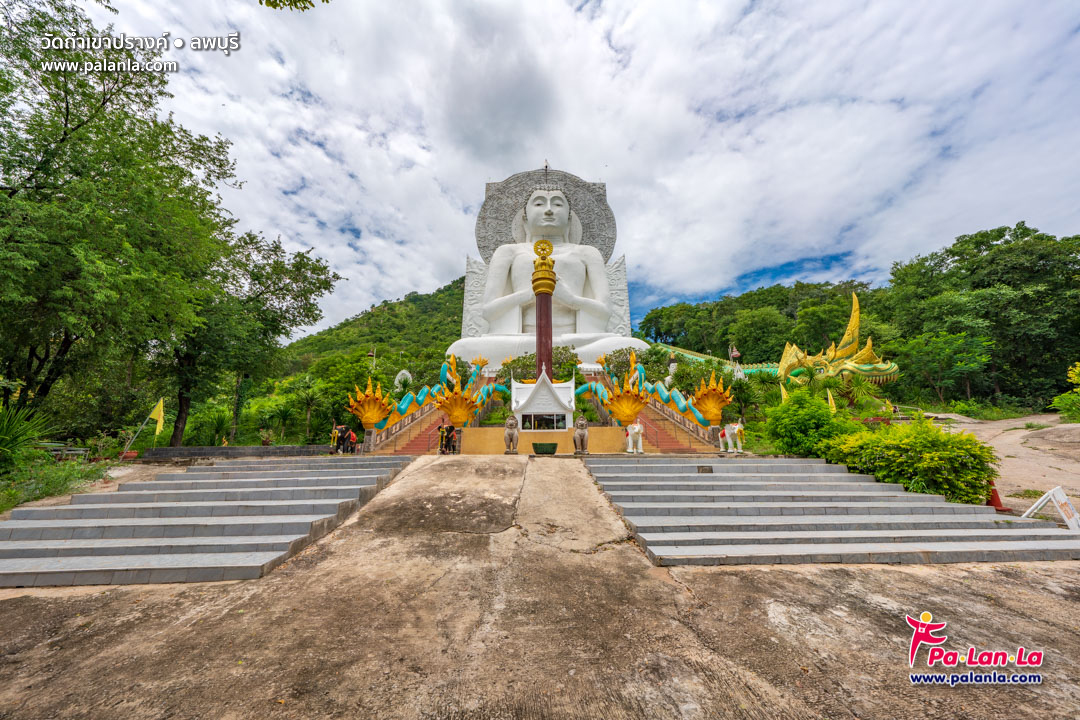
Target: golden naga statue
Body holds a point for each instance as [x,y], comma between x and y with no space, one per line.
[839,360]
[710,400]
[625,403]
[370,407]
[461,403]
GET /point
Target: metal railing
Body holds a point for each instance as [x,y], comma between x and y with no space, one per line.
[681,422]
[391,433]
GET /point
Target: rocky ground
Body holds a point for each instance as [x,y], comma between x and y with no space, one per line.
[1036,459]
[501,587]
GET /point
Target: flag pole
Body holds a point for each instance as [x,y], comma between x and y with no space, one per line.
[153,412]
[136,435]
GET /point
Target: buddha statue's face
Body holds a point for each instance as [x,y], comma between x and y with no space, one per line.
[547,214]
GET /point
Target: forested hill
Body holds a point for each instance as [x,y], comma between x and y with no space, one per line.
[412,327]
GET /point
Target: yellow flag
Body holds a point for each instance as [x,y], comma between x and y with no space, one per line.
[889,407]
[783,394]
[158,413]
[832,403]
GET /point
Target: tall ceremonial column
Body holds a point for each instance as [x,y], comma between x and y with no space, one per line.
[543,283]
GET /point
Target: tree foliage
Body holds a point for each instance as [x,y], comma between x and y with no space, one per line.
[798,426]
[995,315]
[109,218]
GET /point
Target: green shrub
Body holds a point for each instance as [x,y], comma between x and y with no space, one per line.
[922,457]
[20,429]
[987,411]
[1068,404]
[798,426]
[36,474]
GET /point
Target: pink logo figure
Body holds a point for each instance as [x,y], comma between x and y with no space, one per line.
[924,633]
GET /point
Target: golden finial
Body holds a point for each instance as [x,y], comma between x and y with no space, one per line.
[543,277]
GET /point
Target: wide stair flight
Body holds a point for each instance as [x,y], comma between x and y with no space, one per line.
[234,520]
[751,510]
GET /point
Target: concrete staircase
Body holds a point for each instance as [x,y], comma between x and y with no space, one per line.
[733,510]
[420,439]
[234,520]
[662,435]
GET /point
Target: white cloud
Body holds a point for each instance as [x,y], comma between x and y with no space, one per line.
[733,137]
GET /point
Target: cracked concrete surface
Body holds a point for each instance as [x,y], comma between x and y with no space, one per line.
[502,587]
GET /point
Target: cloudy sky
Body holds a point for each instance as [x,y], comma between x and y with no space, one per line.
[742,143]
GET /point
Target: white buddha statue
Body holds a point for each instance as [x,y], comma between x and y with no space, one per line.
[582,308]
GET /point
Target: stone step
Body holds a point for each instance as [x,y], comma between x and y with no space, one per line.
[817,486]
[603,477]
[878,552]
[719,458]
[167,527]
[334,492]
[344,465]
[625,499]
[706,468]
[136,569]
[910,506]
[186,509]
[818,523]
[150,546]
[206,474]
[348,480]
[990,533]
[342,459]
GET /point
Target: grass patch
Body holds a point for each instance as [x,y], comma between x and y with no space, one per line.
[38,475]
[756,441]
[1028,494]
[1035,426]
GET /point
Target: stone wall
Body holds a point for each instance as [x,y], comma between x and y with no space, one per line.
[233,451]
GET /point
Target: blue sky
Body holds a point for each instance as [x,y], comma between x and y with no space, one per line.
[742,143]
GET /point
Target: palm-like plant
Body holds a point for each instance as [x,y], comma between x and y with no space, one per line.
[283,415]
[743,395]
[855,388]
[219,424]
[19,429]
[309,396]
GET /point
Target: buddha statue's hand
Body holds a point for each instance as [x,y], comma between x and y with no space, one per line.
[577,302]
[502,304]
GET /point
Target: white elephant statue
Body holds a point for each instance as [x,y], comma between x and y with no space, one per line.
[733,436]
[634,433]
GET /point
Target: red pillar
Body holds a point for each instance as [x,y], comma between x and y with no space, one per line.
[543,335]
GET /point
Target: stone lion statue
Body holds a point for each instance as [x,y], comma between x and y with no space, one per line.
[634,433]
[581,436]
[510,435]
[733,436]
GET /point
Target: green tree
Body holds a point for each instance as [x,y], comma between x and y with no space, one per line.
[309,396]
[564,359]
[819,324]
[761,334]
[109,218]
[944,360]
[262,293]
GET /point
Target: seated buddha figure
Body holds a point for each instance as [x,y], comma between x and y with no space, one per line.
[581,309]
